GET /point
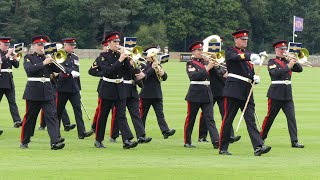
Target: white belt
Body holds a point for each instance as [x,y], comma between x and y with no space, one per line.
[6,70]
[207,83]
[240,77]
[128,81]
[286,82]
[39,79]
[117,81]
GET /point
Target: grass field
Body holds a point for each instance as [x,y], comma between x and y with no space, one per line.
[167,158]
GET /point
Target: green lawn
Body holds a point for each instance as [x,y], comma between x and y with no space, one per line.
[167,158]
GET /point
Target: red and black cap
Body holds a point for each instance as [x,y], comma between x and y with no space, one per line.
[282,44]
[40,39]
[5,40]
[104,42]
[71,41]
[241,33]
[196,45]
[114,36]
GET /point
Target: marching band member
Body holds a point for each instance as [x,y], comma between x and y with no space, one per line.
[132,103]
[236,90]
[97,70]
[38,94]
[199,95]
[280,92]
[7,86]
[217,76]
[69,87]
[112,93]
[151,93]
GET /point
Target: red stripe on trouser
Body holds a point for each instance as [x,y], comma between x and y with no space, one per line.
[57,96]
[186,123]
[141,108]
[23,123]
[99,113]
[200,124]
[114,112]
[41,117]
[225,107]
[267,116]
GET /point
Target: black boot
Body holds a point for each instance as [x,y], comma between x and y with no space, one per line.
[168,133]
[127,144]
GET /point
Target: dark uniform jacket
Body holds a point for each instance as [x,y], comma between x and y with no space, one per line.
[97,67]
[66,83]
[114,69]
[279,71]
[35,90]
[151,85]
[217,81]
[6,79]
[198,93]
[237,88]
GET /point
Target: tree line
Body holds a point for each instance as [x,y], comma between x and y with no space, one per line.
[174,23]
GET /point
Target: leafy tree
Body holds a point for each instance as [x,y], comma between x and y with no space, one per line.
[153,35]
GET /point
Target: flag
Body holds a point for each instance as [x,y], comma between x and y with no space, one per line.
[214,47]
[295,47]
[50,48]
[18,47]
[164,58]
[130,42]
[298,23]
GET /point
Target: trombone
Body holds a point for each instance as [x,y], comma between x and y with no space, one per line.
[57,57]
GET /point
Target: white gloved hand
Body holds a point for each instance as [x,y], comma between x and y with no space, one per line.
[75,74]
[255,59]
[256,79]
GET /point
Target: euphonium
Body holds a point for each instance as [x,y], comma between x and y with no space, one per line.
[157,67]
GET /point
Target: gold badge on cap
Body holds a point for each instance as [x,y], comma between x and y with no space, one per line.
[41,39]
[245,34]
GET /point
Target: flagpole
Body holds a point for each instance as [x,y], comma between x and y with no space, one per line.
[294,21]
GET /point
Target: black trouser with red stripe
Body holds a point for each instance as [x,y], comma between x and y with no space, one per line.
[30,119]
[207,116]
[11,97]
[274,107]
[132,104]
[105,107]
[231,107]
[203,130]
[157,105]
[74,99]
[94,121]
